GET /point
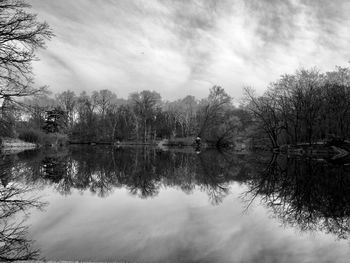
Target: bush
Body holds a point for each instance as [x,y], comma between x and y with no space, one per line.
[56,139]
[40,137]
[32,136]
[6,127]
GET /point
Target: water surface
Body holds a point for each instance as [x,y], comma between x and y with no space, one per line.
[152,205]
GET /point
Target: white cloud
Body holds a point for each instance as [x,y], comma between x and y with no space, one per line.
[182,47]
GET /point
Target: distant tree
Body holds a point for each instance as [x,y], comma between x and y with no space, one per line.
[104,99]
[7,118]
[173,118]
[212,112]
[106,103]
[304,107]
[85,125]
[144,106]
[35,108]
[181,116]
[56,120]
[124,123]
[264,111]
[67,100]
[225,132]
[189,106]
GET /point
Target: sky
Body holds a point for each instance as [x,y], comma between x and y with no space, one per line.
[184,47]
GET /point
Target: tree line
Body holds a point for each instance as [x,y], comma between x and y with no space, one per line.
[306,107]
[144,117]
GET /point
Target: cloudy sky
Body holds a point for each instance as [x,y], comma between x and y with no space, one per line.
[181,47]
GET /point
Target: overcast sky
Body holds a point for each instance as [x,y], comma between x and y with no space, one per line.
[181,47]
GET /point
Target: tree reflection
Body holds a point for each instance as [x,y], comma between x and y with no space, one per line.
[143,171]
[306,193]
[15,199]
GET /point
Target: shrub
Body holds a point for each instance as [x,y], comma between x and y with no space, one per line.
[31,135]
[54,139]
[45,139]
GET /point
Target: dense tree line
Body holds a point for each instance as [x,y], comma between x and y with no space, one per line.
[144,117]
[305,107]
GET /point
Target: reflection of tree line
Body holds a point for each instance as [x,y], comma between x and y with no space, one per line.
[303,193]
[16,199]
[142,171]
[306,193]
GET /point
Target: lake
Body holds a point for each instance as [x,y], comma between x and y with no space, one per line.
[138,204]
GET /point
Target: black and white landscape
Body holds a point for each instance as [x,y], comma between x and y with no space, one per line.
[174,131]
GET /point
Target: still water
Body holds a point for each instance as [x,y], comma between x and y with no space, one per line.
[152,205]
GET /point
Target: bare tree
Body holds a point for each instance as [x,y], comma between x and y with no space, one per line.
[213,109]
[68,102]
[20,36]
[144,105]
[264,110]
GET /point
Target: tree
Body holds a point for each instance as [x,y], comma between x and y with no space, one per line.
[20,36]
[174,118]
[104,100]
[85,127]
[264,111]
[304,107]
[181,116]
[56,120]
[106,103]
[213,110]
[226,130]
[144,105]
[124,123]
[189,105]
[67,100]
